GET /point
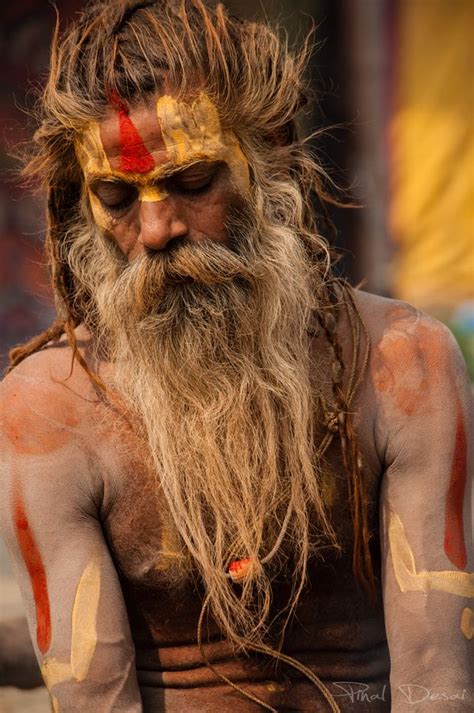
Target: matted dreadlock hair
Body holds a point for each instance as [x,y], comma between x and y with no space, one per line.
[127,47]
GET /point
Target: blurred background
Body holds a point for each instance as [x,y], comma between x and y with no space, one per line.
[395,80]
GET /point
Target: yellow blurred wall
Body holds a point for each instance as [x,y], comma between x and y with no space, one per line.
[432,153]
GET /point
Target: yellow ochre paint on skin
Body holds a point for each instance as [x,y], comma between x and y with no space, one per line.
[93,161]
[90,152]
[192,131]
[189,130]
[55,705]
[83,633]
[275,687]
[84,620]
[169,551]
[152,194]
[54,672]
[409,579]
[467,623]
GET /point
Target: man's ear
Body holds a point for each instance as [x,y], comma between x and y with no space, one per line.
[285,135]
[288,133]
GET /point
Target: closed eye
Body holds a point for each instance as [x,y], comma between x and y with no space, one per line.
[115,195]
[194,181]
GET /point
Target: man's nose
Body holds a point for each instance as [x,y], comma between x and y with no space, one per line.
[160,223]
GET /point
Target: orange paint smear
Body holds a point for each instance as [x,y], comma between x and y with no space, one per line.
[134,155]
[239,569]
[407,363]
[41,431]
[34,564]
[454,544]
[406,389]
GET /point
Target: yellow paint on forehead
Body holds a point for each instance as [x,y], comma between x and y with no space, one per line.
[189,130]
[409,579]
[55,705]
[467,623]
[84,620]
[192,131]
[94,161]
[90,151]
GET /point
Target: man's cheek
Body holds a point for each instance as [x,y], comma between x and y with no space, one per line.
[122,232]
[210,222]
[125,236]
[101,218]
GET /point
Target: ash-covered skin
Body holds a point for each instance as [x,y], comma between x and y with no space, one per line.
[86,470]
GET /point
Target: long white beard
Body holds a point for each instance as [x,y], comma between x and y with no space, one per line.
[210,352]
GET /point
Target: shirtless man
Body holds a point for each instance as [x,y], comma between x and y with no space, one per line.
[229,482]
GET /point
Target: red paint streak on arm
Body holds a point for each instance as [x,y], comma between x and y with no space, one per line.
[134,155]
[34,564]
[454,544]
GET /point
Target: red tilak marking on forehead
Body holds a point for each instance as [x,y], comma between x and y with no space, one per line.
[134,155]
[454,544]
[35,567]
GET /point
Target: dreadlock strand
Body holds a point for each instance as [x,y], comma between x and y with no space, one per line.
[352,460]
[19,353]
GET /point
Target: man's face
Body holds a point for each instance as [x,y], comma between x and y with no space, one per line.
[160,171]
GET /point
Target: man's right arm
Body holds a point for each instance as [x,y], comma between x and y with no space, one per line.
[50,521]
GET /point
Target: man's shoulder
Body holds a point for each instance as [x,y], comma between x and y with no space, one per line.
[417,378]
[404,332]
[44,398]
[51,368]
[415,363]
[380,314]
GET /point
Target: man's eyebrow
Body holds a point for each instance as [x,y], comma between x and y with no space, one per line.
[106,177]
[156,174]
[178,170]
[199,164]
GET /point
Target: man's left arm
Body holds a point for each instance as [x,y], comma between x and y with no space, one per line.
[425,419]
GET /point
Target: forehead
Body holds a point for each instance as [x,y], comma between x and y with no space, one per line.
[155,137]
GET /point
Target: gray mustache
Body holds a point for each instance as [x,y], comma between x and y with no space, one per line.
[207,262]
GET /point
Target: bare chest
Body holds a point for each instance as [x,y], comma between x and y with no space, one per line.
[149,560]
